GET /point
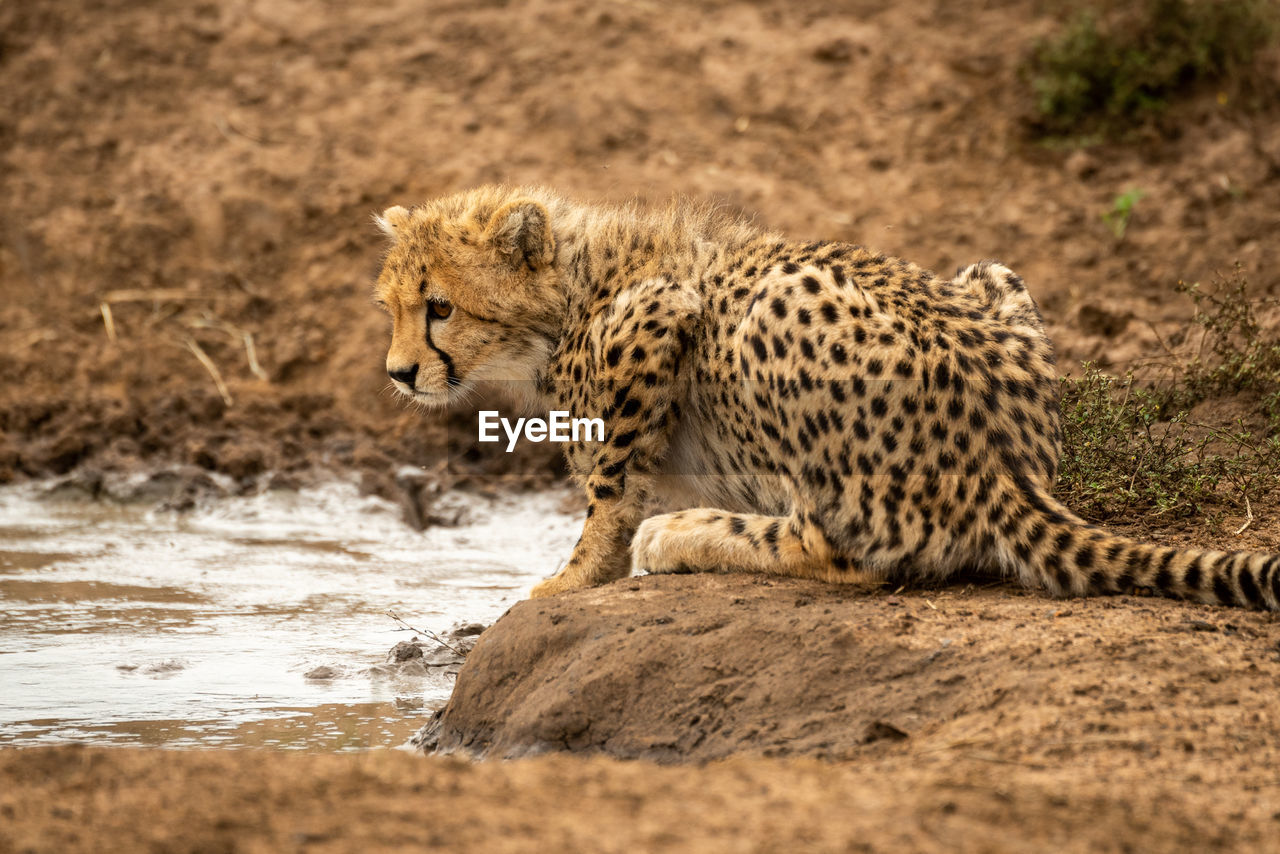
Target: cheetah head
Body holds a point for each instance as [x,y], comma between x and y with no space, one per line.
[470,283]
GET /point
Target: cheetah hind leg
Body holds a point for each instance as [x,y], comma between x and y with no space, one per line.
[704,540]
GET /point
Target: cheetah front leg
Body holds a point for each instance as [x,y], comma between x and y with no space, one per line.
[702,540]
[635,354]
[600,555]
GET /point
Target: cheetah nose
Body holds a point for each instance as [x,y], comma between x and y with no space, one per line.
[404,375]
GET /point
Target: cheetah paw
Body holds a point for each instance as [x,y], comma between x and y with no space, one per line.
[552,586]
[655,546]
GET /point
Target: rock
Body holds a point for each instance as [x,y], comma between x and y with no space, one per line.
[837,51]
[169,665]
[442,656]
[405,650]
[424,654]
[322,673]
[82,483]
[177,488]
[877,730]
[424,500]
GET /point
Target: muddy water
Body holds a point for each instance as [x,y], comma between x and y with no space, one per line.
[123,625]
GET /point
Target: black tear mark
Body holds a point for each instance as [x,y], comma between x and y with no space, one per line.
[451,376]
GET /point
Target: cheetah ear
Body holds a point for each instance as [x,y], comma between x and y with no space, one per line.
[392,221]
[521,230]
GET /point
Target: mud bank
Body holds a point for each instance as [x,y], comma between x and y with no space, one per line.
[696,668]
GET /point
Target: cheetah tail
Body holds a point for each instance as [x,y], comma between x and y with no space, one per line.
[1050,545]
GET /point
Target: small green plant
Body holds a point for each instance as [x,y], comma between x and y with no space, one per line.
[1111,71]
[1117,219]
[1130,444]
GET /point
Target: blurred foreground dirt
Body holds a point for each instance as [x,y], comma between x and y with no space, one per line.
[70,799]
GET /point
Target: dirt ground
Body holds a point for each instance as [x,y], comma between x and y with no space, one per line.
[186,256]
[72,799]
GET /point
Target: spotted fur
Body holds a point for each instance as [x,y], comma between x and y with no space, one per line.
[807,409]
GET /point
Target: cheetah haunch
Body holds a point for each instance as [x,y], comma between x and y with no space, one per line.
[805,409]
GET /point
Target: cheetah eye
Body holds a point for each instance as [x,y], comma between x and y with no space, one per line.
[439,309]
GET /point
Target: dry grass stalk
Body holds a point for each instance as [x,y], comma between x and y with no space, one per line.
[252,353]
[108,321]
[241,336]
[155,295]
[210,367]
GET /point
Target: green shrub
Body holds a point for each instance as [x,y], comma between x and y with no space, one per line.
[1233,354]
[1130,444]
[1108,74]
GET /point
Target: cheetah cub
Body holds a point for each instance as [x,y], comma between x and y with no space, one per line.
[805,409]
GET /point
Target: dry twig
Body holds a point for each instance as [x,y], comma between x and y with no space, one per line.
[1248,517]
[431,635]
